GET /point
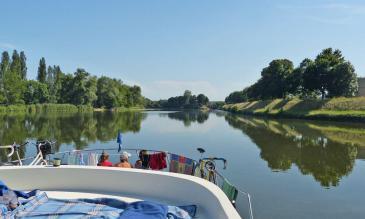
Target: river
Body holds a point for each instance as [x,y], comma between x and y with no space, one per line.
[292,168]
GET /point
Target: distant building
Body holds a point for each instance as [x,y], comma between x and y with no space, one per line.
[361,82]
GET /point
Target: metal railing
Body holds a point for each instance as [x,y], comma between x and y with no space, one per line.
[197,163]
[39,159]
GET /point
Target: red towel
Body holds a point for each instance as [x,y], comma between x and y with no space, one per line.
[158,161]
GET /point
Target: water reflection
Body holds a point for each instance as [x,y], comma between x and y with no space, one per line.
[78,129]
[327,153]
[189,117]
[324,150]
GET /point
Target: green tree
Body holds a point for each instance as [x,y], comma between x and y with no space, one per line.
[344,81]
[202,100]
[66,91]
[36,92]
[54,76]
[12,82]
[23,65]
[16,64]
[42,71]
[274,78]
[50,81]
[57,83]
[14,88]
[294,82]
[5,63]
[134,96]
[237,97]
[109,93]
[4,69]
[83,88]
[321,75]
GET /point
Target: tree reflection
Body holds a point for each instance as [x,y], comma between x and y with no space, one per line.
[284,143]
[189,116]
[78,129]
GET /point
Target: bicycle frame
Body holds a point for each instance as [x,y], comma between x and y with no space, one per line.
[13,148]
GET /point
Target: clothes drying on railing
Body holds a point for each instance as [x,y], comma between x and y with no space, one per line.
[157,161]
[181,164]
[230,190]
[92,159]
[76,159]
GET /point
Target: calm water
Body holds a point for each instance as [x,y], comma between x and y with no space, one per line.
[292,168]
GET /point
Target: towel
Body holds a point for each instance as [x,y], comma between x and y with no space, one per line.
[230,191]
[158,161]
[180,164]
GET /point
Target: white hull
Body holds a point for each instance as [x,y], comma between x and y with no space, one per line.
[127,184]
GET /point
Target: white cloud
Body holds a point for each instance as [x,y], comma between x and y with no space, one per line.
[7,45]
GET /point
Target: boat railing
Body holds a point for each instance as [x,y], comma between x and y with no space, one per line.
[136,150]
[243,193]
[48,159]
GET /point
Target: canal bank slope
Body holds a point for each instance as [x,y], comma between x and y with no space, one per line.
[338,109]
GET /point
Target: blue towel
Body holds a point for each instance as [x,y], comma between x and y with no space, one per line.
[144,210]
[41,207]
[9,198]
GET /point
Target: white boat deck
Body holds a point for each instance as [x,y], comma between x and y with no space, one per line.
[78,195]
[69,182]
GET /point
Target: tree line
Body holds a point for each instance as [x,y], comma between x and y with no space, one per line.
[328,75]
[54,86]
[186,101]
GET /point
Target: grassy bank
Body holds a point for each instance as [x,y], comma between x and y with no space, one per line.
[38,108]
[339,109]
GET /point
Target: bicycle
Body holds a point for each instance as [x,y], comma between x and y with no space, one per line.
[14,148]
[208,165]
[44,148]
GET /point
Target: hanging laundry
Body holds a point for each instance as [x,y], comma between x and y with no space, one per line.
[92,159]
[81,159]
[180,164]
[229,190]
[158,161]
[71,159]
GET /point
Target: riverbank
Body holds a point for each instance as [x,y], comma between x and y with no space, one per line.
[39,108]
[336,109]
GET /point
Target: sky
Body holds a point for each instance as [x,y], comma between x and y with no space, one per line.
[167,46]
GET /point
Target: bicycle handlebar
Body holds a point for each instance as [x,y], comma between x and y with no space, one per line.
[12,148]
[21,145]
[217,158]
[40,143]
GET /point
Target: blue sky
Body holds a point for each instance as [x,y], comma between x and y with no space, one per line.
[167,46]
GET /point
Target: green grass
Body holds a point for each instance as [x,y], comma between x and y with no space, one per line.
[124,109]
[37,108]
[342,109]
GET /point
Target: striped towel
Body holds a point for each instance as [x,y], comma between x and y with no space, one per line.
[42,207]
[180,164]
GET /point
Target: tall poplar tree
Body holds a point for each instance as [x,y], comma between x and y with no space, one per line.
[5,64]
[42,71]
[16,66]
[4,69]
[23,65]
